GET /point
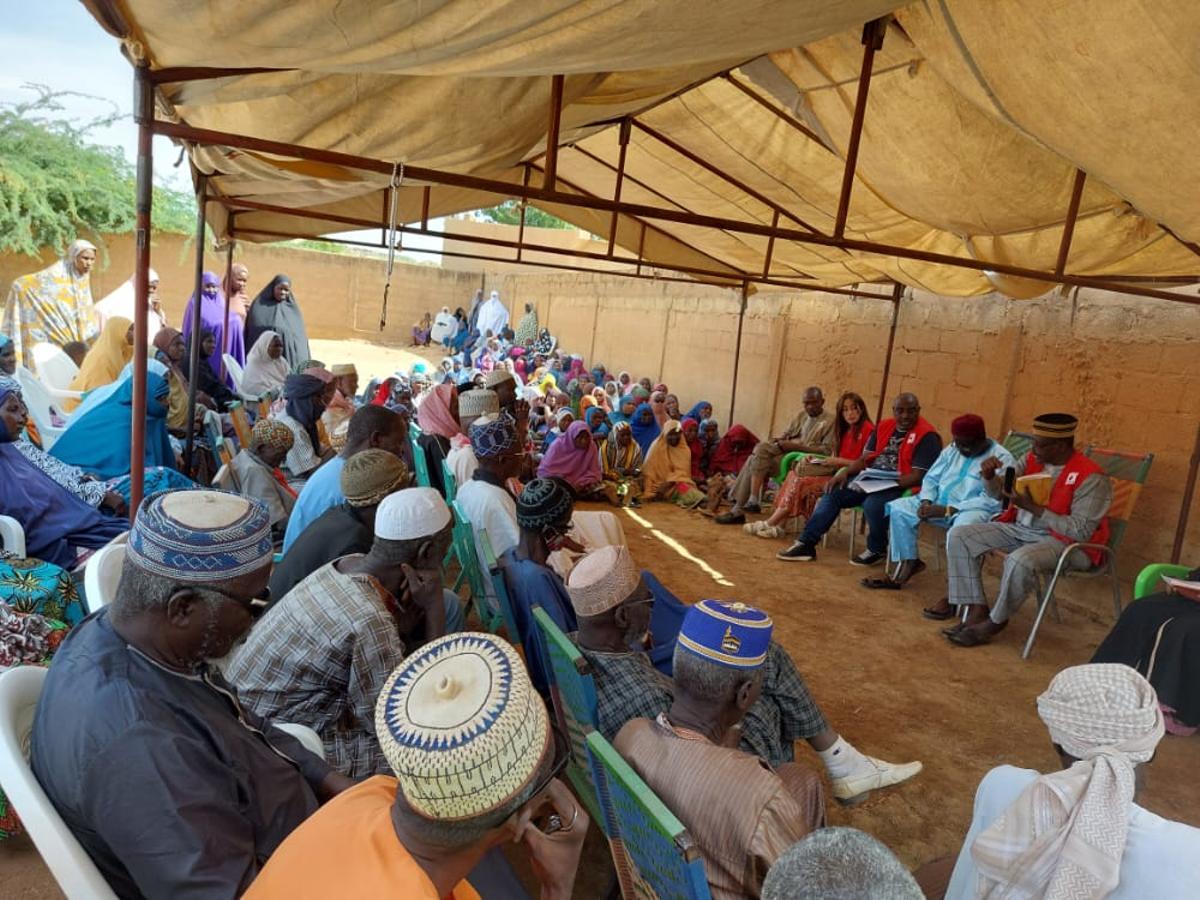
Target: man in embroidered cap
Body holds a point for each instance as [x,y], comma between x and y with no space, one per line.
[839,863]
[1078,832]
[485,499]
[255,471]
[951,496]
[475,763]
[614,603]
[171,787]
[321,654]
[472,406]
[366,479]
[1061,497]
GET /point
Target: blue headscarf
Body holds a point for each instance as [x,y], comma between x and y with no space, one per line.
[694,412]
[616,417]
[596,423]
[644,433]
[99,438]
[54,520]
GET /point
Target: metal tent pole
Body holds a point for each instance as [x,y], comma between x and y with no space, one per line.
[190,426]
[897,293]
[143,104]
[737,352]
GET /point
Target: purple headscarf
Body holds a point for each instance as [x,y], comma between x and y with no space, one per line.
[580,468]
[212,318]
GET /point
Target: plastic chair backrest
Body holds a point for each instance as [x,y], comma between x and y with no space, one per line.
[463,545]
[1149,579]
[420,463]
[12,536]
[39,403]
[102,574]
[241,423]
[653,853]
[573,695]
[68,862]
[1128,472]
[55,368]
[498,585]
[234,368]
[449,482]
[1018,443]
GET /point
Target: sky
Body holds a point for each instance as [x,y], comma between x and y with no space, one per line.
[57,43]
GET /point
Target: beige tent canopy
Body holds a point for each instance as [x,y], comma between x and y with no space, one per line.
[965,146]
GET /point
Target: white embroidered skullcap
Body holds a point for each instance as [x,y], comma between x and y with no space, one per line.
[477,403]
[603,579]
[497,377]
[412,513]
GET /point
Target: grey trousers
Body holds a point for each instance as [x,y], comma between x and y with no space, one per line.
[762,461]
[968,544]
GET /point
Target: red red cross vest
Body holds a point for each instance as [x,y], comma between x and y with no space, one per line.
[908,446]
[1073,474]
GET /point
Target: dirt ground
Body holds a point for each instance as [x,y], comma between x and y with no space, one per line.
[884,676]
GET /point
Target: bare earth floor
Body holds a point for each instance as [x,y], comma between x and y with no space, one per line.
[884,676]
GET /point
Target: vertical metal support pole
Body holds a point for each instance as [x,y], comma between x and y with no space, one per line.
[521,224]
[770,246]
[1189,488]
[641,247]
[872,40]
[425,208]
[189,428]
[228,283]
[550,169]
[623,137]
[1064,247]
[897,293]
[143,105]
[737,353]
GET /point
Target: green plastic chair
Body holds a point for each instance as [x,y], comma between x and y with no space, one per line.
[785,464]
[462,545]
[1147,581]
[449,482]
[420,462]
[1128,472]
[501,589]
[573,696]
[1018,443]
[653,853]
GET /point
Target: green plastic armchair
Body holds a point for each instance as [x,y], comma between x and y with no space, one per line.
[1147,581]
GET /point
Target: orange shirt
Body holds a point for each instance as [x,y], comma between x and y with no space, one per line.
[348,848]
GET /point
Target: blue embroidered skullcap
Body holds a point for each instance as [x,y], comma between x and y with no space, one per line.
[200,536]
[491,437]
[727,633]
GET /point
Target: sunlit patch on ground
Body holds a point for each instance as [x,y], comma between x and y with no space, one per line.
[679,548]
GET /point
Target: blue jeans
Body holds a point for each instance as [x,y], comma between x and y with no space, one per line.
[874,506]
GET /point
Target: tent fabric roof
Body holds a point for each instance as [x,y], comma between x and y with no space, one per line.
[978,116]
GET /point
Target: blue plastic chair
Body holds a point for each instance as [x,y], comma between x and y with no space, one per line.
[462,547]
[653,853]
[492,565]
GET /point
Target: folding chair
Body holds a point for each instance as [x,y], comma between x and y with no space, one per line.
[102,574]
[488,558]
[234,368]
[56,370]
[42,406]
[241,423]
[653,853]
[1128,472]
[573,696]
[420,463]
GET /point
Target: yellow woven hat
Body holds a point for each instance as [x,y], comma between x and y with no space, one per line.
[461,726]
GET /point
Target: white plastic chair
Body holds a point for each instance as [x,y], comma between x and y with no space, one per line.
[305,735]
[55,369]
[234,368]
[68,862]
[102,574]
[12,536]
[39,399]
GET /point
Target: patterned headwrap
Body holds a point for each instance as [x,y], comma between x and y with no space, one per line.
[462,727]
[370,475]
[273,434]
[200,536]
[8,385]
[1064,836]
[726,633]
[493,438]
[544,501]
[602,580]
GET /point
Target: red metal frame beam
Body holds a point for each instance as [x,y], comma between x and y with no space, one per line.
[777,112]
[176,74]
[737,183]
[425,207]
[143,106]
[1064,247]
[637,210]
[556,101]
[770,247]
[623,137]
[521,223]
[872,40]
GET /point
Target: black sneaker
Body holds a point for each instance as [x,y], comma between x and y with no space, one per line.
[752,507]
[730,518]
[867,558]
[798,552]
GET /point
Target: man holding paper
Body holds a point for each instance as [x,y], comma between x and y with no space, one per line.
[952,495]
[897,455]
[1033,530]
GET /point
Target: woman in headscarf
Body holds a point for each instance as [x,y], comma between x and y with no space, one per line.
[623,412]
[527,328]
[493,316]
[645,428]
[658,404]
[422,331]
[673,408]
[53,305]
[731,454]
[621,461]
[445,327]
[100,435]
[624,380]
[574,458]
[597,423]
[304,403]
[440,430]
[212,318]
[8,356]
[233,286]
[612,396]
[277,309]
[691,436]
[104,362]
[170,349]
[123,302]
[701,411]
[601,399]
[667,473]
[563,418]
[544,343]
[266,367]
[206,378]
[710,438]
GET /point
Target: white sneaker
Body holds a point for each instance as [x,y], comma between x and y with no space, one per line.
[767,531]
[876,774]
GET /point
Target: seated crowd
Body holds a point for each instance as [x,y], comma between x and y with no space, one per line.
[312,590]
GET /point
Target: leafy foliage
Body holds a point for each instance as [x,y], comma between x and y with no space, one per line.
[57,184]
[509,213]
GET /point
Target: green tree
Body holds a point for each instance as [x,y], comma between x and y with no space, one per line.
[56,183]
[509,213]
